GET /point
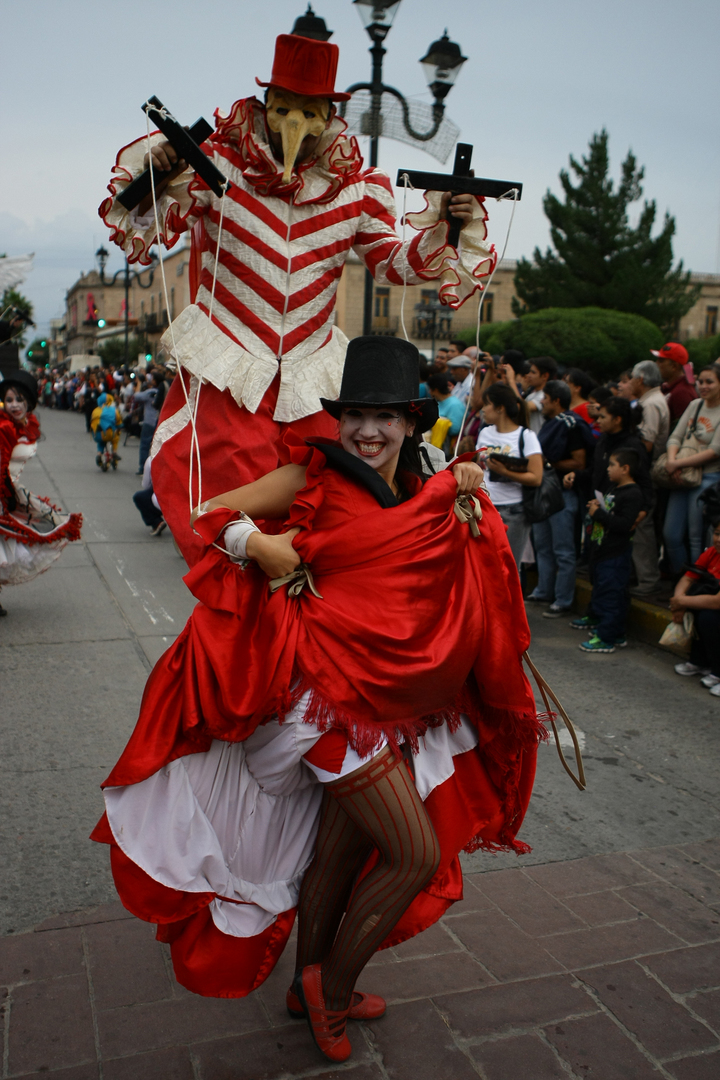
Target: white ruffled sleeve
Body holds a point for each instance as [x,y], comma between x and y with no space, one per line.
[181,204]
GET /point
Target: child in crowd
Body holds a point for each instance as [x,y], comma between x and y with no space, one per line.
[611,555]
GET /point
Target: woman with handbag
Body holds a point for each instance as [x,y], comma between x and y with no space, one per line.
[692,465]
[512,455]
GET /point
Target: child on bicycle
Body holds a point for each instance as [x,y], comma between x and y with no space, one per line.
[106,424]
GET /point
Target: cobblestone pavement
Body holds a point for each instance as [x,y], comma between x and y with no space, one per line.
[606,967]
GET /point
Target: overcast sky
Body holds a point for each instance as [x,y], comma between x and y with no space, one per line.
[541,77]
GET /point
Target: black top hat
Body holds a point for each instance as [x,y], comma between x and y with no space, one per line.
[25,383]
[383,371]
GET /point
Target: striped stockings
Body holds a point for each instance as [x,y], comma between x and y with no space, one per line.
[376,806]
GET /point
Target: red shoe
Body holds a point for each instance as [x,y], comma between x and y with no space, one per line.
[362,1006]
[326,1027]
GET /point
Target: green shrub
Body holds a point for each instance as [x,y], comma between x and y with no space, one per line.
[703,351]
[597,340]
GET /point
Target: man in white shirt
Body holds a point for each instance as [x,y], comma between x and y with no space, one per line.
[460,371]
[542,369]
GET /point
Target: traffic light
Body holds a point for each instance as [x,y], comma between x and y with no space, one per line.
[29,353]
[43,344]
[101,323]
[148,357]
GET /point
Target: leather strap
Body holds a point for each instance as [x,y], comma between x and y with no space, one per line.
[547,692]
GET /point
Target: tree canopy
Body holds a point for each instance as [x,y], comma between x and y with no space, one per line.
[112,351]
[599,258]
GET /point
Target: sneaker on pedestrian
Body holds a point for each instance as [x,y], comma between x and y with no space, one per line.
[691,669]
[596,644]
[715,690]
[537,599]
[621,643]
[710,680]
[162,524]
[555,612]
[585,622]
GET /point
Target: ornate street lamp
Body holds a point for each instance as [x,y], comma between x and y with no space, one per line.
[441,65]
[377,16]
[311,25]
[102,256]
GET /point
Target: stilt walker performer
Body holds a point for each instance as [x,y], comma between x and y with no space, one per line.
[266,259]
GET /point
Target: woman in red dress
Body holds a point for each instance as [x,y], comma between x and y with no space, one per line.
[334,742]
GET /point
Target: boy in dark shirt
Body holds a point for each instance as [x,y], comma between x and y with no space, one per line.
[611,554]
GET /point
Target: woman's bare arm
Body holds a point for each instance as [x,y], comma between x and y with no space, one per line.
[269,497]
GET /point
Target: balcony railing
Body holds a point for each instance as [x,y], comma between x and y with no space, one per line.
[385,325]
[426,329]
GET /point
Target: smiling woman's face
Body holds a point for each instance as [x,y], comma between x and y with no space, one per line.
[375,435]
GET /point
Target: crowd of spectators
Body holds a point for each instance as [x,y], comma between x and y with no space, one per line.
[632,474]
[138,395]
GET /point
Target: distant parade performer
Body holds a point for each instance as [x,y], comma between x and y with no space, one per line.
[33,532]
[300,201]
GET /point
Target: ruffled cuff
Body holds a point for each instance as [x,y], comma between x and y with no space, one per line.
[134,234]
[210,525]
[460,272]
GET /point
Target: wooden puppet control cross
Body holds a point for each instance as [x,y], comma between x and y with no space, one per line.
[186,143]
[460,182]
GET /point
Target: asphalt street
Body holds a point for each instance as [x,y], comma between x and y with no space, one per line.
[78,643]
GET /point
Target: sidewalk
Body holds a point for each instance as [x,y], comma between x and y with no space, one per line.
[604,967]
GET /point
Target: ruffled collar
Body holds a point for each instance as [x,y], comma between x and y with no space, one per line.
[318,180]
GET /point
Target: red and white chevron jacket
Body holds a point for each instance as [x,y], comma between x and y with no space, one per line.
[282,251]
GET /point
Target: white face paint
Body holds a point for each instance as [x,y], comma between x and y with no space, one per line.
[15,405]
[375,435]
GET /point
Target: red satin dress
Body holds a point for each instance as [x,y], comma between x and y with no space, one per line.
[417,637]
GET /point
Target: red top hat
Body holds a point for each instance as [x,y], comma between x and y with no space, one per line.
[306,67]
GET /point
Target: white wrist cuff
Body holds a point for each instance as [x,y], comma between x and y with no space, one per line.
[236,537]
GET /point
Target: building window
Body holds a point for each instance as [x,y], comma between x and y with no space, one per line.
[172,302]
[486,314]
[152,304]
[711,321]
[427,296]
[382,303]
[142,309]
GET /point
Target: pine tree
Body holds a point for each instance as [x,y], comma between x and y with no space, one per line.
[600,260]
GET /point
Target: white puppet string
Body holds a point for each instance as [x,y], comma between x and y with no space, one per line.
[194,443]
[407,184]
[512,193]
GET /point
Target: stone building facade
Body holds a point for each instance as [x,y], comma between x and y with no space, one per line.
[91,300]
[426,321]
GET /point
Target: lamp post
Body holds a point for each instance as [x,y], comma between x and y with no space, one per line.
[311,26]
[102,256]
[441,65]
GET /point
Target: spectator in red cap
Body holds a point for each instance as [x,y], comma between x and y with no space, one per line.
[677,371]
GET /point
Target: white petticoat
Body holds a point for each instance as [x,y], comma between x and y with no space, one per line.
[22,562]
[240,820]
